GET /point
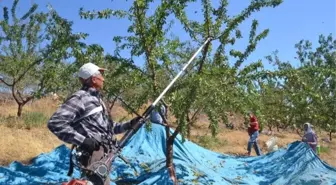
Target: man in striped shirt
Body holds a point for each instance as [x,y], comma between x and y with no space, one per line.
[83,119]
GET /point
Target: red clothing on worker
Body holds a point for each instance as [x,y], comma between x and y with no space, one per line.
[254,125]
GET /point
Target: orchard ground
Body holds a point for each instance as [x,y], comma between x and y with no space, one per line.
[24,138]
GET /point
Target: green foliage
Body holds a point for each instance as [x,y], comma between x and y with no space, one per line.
[215,87]
[198,175]
[103,14]
[145,167]
[324,149]
[33,48]
[36,48]
[28,120]
[307,92]
[147,35]
[34,119]
[211,85]
[124,80]
[201,88]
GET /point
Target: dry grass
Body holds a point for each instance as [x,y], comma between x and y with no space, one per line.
[235,141]
[8,109]
[23,144]
[45,105]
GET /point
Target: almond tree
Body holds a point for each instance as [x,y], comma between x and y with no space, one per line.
[309,90]
[147,39]
[149,36]
[33,49]
[215,86]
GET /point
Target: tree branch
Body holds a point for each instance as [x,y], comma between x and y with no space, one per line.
[26,70]
[177,130]
[14,96]
[205,52]
[8,84]
[192,119]
[234,23]
[137,68]
[20,95]
[113,102]
[161,15]
[28,99]
[141,30]
[147,47]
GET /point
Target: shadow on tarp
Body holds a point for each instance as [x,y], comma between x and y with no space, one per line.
[297,164]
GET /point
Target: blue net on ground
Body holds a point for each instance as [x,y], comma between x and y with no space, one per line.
[297,164]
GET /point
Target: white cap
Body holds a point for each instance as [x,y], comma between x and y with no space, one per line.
[88,69]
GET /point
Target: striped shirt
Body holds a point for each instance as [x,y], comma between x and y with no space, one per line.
[65,125]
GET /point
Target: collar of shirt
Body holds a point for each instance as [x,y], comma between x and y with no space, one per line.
[93,91]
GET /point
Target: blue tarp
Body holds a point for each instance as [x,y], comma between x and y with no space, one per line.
[297,164]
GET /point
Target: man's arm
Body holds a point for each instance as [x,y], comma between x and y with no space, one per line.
[297,131]
[59,123]
[164,111]
[119,128]
[254,123]
[314,142]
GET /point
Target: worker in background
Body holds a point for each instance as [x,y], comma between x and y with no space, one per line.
[155,116]
[309,136]
[253,131]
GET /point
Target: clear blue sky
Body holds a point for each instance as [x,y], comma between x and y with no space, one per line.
[288,23]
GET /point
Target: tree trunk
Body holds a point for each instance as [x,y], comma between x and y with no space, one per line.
[189,125]
[21,104]
[170,152]
[172,174]
[188,131]
[277,126]
[19,112]
[167,132]
[112,105]
[169,156]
